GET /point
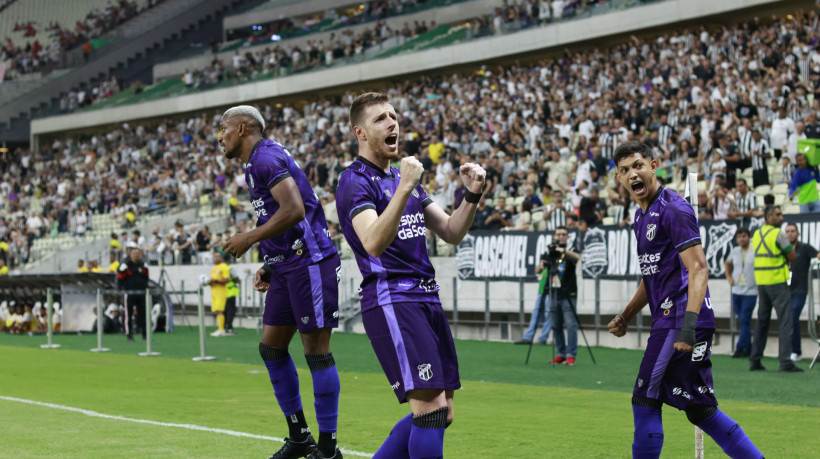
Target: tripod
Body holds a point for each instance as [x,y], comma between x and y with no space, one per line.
[539,312]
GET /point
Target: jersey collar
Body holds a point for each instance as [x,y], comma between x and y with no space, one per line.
[654,198]
[373,166]
[255,146]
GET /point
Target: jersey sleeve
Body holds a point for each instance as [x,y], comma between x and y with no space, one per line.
[425,200]
[353,197]
[680,225]
[272,170]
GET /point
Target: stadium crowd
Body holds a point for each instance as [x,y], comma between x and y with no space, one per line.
[248,64]
[35,57]
[716,102]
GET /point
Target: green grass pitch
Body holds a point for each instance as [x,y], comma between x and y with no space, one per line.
[505,409]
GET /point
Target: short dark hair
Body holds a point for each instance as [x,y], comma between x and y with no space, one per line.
[794,225]
[769,210]
[742,180]
[743,230]
[768,199]
[361,103]
[562,227]
[628,149]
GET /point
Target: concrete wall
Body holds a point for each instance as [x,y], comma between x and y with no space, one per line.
[294,9]
[477,51]
[445,15]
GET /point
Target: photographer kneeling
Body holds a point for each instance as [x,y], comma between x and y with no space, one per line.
[561,261]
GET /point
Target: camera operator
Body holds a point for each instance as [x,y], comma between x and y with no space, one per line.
[561,261]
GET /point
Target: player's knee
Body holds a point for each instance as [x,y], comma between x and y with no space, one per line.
[436,419]
[317,362]
[272,354]
[699,413]
[652,403]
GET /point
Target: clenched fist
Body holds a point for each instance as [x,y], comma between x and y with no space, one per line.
[410,170]
[617,326]
[473,176]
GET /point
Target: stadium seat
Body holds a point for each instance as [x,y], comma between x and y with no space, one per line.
[608,221]
[791,209]
[780,188]
[763,190]
[779,199]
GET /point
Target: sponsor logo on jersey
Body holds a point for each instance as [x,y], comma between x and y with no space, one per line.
[395,385]
[649,263]
[258,205]
[425,371]
[650,231]
[705,390]
[250,177]
[682,393]
[654,214]
[388,193]
[273,260]
[412,225]
[699,351]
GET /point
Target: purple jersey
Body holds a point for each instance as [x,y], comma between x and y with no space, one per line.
[666,228]
[403,273]
[308,241]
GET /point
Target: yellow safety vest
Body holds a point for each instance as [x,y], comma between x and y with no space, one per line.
[233,289]
[770,263]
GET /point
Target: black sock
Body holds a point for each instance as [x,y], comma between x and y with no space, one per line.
[327,443]
[297,426]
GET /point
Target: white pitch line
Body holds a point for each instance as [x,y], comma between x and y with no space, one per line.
[164,424]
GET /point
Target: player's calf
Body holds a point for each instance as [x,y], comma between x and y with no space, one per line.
[723,430]
[647,442]
[326,389]
[285,381]
[427,434]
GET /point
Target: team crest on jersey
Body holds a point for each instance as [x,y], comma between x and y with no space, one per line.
[699,351]
[297,244]
[338,274]
[305,320]
[388,193]
[425,371]
[251,179]
[650,231]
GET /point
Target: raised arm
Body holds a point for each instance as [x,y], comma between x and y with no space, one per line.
[452,228]
[376,232]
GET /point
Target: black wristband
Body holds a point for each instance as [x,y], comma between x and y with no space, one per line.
[687,332]
[268,273]
[471,197]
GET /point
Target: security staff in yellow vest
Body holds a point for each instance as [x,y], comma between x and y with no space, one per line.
[233,294]
[772,252]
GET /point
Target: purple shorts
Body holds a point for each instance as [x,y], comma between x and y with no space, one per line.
[673,377]
[414,346]
[307,297]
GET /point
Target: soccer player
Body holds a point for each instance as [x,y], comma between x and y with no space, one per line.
[676,369]
[300,275]
[385,214]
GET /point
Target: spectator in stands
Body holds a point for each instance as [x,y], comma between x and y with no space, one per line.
[745,204]
[556,213]
[4,270]
[804,183]
[501,217]
[761,152]
[720,203]
[113,263]
[704,208]
[203,246]
[81,267]
[522,220]
[183,244]
[592,209]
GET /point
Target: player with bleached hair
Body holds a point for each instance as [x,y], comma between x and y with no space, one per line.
[300,275]
[676,369]
[385,214]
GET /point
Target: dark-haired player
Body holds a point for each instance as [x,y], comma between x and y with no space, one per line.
[300,275]
[676,369]
[384,214]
